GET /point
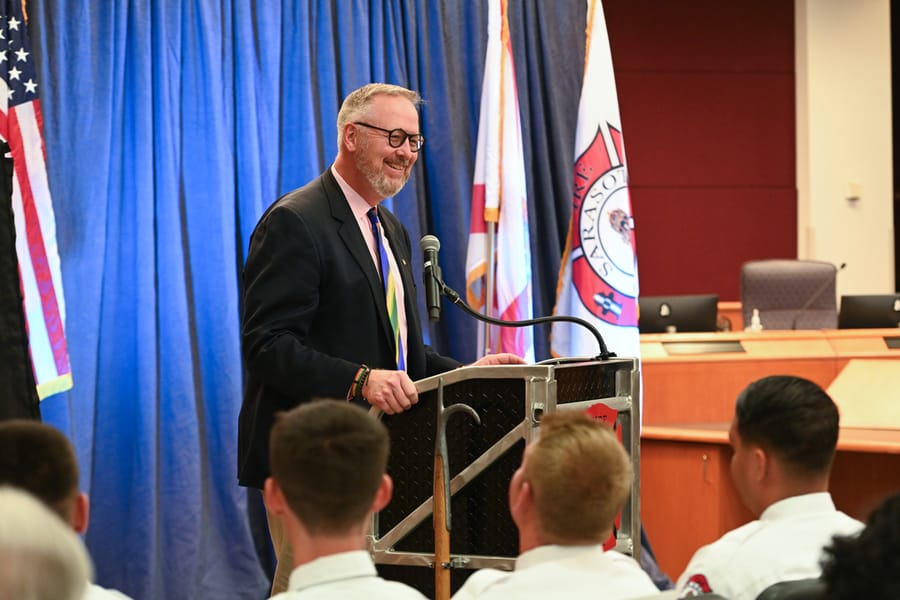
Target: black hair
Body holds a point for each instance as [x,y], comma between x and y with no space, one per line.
[791,417]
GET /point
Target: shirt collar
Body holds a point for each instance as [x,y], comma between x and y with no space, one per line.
[803,504]
[334,567]
[552,552]
[358,204]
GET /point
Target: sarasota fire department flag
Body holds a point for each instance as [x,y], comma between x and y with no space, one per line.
[598,278]
[20,127]
[499,200]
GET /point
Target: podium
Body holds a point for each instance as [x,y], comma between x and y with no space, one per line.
[510,401]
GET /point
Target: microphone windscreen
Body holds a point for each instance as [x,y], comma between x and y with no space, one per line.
[429,242]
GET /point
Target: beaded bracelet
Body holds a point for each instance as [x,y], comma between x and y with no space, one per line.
[359,380]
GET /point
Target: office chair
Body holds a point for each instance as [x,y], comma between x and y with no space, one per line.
[790,294]
[799,589]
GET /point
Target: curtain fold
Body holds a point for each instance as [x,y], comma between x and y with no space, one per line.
[170,126]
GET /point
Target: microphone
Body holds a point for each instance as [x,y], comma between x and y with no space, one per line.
[435,286]
[815,296]
[431,275]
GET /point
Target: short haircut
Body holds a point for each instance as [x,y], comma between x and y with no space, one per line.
[866,565]
[356,104]
[580,476]
[792,418]
[39,459]
[328,457]
[40,557]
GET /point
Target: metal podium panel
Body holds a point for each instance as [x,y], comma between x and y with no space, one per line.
[510,401]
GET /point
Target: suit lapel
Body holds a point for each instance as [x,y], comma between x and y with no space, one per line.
[349,233]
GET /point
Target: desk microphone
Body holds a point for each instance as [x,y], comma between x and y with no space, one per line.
[435,286]
[431,275]
[815,296]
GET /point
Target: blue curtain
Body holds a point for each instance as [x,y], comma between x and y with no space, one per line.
[170,125]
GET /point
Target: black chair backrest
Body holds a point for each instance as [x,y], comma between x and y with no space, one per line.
[799,589]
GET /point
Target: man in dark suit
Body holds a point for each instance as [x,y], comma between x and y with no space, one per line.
[316,322]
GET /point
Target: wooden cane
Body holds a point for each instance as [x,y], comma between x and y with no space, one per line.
[441,534]
[441,493]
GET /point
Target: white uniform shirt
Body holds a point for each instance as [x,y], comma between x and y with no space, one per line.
[570,572]
[784,544]
[349,575]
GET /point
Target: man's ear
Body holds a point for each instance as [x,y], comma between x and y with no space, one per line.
[383,493]
[351,137]
[761,464]
[273,497]
[521,503]
[81,513]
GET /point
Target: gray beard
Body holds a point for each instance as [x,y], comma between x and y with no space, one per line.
[377,179]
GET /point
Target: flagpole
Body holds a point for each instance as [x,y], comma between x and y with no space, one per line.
[489,330]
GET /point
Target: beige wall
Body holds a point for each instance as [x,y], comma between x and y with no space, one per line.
[844,146]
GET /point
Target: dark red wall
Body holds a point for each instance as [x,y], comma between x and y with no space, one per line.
[706,94]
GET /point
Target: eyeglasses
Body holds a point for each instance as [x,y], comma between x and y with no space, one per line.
[397,137]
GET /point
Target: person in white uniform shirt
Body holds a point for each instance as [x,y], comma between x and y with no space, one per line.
[328,462]
[564,498]
[40,459]
[784,433]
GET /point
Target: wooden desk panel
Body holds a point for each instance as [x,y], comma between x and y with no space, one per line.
[701,388]
[852,344]
[695,388]
[687,499]
[705,392]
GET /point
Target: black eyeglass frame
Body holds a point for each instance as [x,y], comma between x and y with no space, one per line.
[393,136]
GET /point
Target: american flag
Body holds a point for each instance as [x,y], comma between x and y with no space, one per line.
[20,127]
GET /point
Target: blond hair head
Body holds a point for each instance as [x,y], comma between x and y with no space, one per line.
[580,476]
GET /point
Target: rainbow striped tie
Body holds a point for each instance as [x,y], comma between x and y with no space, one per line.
[389,279]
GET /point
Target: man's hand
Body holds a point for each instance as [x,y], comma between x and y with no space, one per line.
[391,391]
[503,358]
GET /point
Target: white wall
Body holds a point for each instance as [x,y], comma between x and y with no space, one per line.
[844,146]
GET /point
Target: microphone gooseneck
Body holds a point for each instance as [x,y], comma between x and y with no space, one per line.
[432,276]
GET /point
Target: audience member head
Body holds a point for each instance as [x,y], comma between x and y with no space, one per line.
[378,139]
[784,435]
[573,481]
[41,558]
[328,461]
[866,565]
[39,459]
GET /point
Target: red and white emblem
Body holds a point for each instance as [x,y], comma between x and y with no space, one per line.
[603,251]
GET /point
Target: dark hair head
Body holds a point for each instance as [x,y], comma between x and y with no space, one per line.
[792,418]
[39,459]
[329,457]
[866,565]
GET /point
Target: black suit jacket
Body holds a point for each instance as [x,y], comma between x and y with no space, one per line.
[314,311]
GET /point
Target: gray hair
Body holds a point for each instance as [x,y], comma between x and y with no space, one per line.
[41,558]
[356,104]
